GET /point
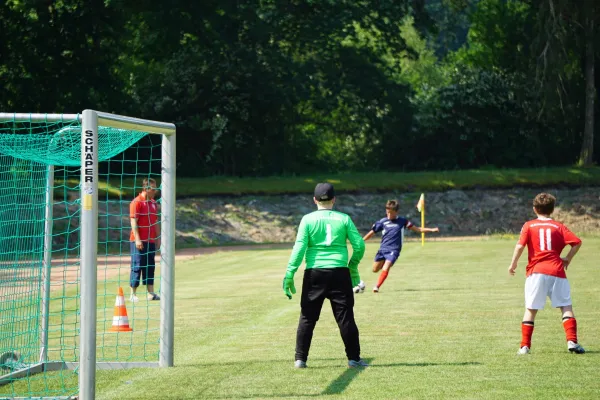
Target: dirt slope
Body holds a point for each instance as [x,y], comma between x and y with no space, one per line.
[273,219]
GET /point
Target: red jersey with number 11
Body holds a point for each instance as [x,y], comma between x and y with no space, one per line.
[545,240]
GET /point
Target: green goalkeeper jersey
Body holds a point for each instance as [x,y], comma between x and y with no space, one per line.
[322,237]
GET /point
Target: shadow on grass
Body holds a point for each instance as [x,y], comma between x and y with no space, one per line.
[430,290]
[338,385]
[426,364]
[248,362]
[341,382]
[337,365]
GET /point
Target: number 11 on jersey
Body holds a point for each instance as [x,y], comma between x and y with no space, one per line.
[545,240]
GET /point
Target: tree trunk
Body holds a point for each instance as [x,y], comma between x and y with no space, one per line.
[587,147]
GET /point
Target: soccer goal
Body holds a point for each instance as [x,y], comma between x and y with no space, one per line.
[66,184]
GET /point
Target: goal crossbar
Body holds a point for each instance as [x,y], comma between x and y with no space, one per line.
[104,119]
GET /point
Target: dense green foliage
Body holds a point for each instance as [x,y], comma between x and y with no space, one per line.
[269,87]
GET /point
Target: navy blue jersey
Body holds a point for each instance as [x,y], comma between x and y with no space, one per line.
[392,232]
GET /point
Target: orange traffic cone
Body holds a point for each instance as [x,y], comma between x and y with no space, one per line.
[120,320]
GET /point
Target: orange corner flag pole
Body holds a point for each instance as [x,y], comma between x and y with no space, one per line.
[120,319]
[421,208]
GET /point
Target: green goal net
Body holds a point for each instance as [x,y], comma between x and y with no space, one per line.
[40,253]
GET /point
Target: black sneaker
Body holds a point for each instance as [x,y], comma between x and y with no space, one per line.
[154,296]
[575,347]
[357,364]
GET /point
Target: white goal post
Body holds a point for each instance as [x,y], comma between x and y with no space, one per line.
[90,121]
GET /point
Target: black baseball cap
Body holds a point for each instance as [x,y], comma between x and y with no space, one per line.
[324,192]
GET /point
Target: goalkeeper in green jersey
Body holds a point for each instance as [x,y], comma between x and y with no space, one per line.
[322,237]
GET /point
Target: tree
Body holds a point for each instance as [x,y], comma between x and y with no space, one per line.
[565,44]
[587,146]
[270,87]
[60,56]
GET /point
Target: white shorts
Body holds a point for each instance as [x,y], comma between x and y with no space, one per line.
[540,286]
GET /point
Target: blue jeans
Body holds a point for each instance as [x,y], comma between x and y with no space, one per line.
[142,264]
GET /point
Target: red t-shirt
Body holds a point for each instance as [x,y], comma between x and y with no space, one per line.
[545,240]
[146,213]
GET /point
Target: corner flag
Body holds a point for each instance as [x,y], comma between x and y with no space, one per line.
[421,208]
[421,203]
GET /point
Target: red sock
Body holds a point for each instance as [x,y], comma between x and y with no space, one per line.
[382,277]
[570,325]
[526,333]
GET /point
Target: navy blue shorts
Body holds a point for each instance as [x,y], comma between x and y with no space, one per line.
[142,264]
[389,255]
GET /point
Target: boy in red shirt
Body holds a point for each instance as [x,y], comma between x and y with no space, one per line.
[144,239]
[546,271]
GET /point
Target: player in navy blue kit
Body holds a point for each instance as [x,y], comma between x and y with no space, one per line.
[392,234]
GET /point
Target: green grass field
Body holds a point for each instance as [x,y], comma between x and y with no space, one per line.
[446,325]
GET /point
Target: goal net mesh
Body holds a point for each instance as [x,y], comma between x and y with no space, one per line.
[31,153]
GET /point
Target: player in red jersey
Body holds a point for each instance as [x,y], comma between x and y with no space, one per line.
[546,271]
[144,239]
